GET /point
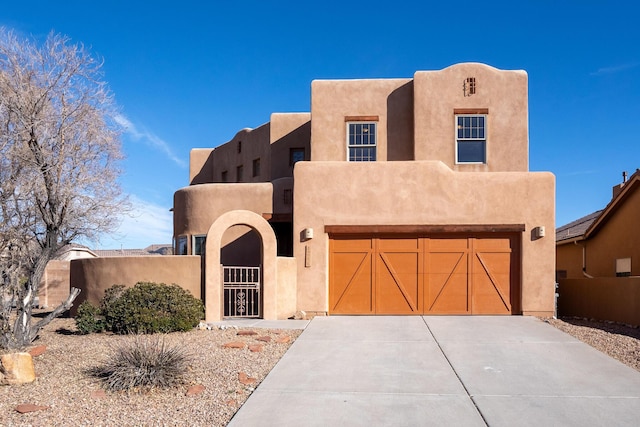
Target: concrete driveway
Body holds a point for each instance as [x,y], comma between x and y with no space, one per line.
[442,371]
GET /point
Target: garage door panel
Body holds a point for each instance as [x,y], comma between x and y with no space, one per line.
[491,283]
[398,245]
[350,290]
[397,285]
[448,294]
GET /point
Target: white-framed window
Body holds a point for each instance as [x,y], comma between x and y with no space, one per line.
[181,247]
[361,141]
[198,243]
[471,138]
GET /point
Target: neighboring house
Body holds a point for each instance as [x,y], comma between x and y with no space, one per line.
[392,196]
[605,243]
[55,283]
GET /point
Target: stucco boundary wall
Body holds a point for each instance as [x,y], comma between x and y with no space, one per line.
[94,275]
[615,299]
[54,287]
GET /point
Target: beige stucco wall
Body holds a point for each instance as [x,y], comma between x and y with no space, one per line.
[54,286]
[196,207]
[504,93]
[94,275]
[334,100]
[201,166]
[396,193]
[288,130]
[287,288]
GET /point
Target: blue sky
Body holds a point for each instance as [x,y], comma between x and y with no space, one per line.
[190,74]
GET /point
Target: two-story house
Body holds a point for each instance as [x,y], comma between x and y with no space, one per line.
[392,196]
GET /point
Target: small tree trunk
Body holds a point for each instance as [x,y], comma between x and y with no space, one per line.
[22,334]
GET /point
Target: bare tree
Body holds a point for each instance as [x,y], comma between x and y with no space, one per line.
[59,156]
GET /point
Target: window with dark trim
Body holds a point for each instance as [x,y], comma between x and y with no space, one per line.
[181,248]
[198,244]
[256,167]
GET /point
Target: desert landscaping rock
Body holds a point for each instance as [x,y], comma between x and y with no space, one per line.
[234,344]
[194,390]
[284,339]
[266,338]
[17,368]
[98,394]
[247,333]
[37,350]
[25,408]
[255,348]
[245,380]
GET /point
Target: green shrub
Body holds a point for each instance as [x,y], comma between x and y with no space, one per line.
[89,319]
[150,308]
[142,364]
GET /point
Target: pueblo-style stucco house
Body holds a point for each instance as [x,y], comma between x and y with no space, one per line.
[392,196]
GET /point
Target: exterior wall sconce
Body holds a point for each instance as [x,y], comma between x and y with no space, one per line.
[540,232]
[307,233]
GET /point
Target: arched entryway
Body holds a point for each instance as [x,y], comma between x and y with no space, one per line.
[213,294]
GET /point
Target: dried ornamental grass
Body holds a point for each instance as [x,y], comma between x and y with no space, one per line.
[143,363]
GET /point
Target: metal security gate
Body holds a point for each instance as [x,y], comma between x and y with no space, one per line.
[242,292]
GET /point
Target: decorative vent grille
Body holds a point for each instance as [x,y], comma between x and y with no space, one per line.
[470,86]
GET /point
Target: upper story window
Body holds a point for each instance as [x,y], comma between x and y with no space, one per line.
[224,176]
[295,155]
[361,141]
[256,167]
[471,138]
[239,173]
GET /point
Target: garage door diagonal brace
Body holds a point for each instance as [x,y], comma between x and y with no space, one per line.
[453,270]
[494,282]
[398,282]
[352,279]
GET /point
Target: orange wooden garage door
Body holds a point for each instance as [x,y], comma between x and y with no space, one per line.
[418,275]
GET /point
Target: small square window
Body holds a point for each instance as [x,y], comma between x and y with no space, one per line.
[623,267]
[471,139]
[256,167]
[182,245]
[239,173]
[199,244]
[361,141]
[296,155]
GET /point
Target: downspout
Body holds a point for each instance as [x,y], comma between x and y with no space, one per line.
[584,262]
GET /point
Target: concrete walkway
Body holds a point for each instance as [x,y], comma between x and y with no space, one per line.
[442,371]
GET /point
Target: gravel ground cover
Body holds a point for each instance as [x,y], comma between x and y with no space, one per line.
[75,399]
[621,342]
